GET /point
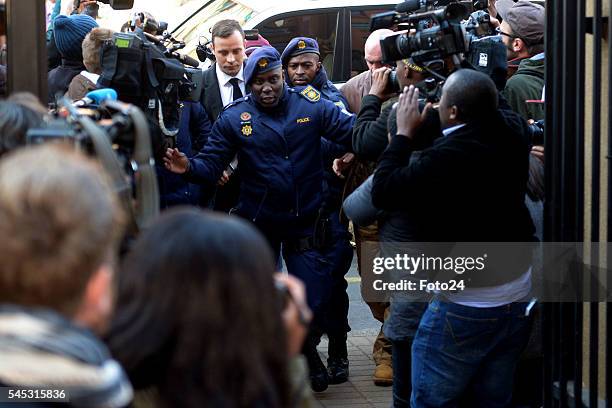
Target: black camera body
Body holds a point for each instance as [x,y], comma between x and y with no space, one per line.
[447,38]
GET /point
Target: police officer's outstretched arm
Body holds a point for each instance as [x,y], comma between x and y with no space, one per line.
[208,165]
[337,124]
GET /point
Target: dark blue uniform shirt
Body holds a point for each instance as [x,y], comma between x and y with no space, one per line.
[279,153]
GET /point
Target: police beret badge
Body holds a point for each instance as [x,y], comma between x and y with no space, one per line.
[263,63]
[301,44]
[311,94]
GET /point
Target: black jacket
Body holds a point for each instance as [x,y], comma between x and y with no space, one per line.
[467,187]
[60,77]
[370,133]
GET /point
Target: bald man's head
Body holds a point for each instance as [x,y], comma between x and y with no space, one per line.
[373,52]
[467,96]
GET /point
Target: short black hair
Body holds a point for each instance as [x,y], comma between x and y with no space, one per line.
[15,121]
[225,28]
[473,93]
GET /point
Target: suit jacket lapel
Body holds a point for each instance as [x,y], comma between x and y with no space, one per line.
[212,93]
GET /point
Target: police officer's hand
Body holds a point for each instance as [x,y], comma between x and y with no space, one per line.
[409,119]
[380,82]
[342,164]
[297,314]
[176,162]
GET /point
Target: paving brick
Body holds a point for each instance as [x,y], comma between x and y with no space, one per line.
[359,391]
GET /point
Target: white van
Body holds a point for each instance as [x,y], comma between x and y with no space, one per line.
[340,26]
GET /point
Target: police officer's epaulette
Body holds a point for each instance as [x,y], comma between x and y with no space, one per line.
[310,94]
[234,103]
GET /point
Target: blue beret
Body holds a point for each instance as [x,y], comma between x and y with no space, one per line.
[298,46]
[262,60]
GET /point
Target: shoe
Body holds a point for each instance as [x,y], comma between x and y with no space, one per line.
[383,375]
[319,378]
[338,370]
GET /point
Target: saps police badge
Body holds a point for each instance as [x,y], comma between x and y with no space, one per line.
[311,94]
[247,129]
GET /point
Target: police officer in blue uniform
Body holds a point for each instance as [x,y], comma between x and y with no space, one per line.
[301,61]
[276,132]
[302,64]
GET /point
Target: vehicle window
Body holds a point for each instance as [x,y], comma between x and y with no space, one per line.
[360,30]
[321,26]
[200,26]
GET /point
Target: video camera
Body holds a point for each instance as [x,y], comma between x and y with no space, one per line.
[147,71]
[443,30]
[121,138]
[436,28]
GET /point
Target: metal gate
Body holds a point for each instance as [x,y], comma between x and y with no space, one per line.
[577,369]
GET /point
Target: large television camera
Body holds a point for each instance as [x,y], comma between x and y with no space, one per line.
[147,71]
[433,29]
[121,138]
[443,33]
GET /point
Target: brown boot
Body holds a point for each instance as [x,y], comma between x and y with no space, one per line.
[383,374]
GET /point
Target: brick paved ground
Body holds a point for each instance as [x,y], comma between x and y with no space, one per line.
[359,391]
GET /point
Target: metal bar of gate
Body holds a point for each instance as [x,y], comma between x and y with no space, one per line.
[608,351]
[26,46]
[579,180]
[595,199]
[554,184]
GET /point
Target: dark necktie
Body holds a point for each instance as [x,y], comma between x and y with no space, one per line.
[237,94]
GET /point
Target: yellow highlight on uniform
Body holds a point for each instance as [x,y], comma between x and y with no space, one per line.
[303,120]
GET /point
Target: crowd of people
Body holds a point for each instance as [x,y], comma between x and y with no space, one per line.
[275,168]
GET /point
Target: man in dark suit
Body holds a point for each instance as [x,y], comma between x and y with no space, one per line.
[223,84]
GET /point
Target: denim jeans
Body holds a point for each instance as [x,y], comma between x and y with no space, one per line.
[462,351]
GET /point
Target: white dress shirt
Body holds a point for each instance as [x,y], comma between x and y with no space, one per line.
[227,91]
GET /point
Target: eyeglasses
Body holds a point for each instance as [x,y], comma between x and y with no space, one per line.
[500,32]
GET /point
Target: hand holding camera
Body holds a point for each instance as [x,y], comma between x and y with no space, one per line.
[409,119]
[296,314]
[380,83]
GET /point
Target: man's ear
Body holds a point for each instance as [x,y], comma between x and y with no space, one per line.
[319,65]
[97,302]
[453,113]
[518,45]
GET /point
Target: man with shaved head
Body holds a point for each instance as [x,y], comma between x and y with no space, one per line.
[468,187]
[359,86]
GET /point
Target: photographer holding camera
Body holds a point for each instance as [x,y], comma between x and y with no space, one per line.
[495,328]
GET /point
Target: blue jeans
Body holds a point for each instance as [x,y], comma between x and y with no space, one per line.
[461,351]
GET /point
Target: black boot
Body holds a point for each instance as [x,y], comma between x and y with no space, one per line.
[319,379]
[337,363]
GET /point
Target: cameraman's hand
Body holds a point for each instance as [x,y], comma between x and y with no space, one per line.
[538,153]
[409,119]
[492,9]
[224,179]
[176,161]
[380,82]
[83,5]
[296,315]
[342,164]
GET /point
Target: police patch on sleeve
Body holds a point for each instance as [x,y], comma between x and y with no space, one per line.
[311,94]
[247,129]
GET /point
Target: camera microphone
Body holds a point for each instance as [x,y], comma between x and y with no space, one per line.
[187,60]
[409,6]
[97,97]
